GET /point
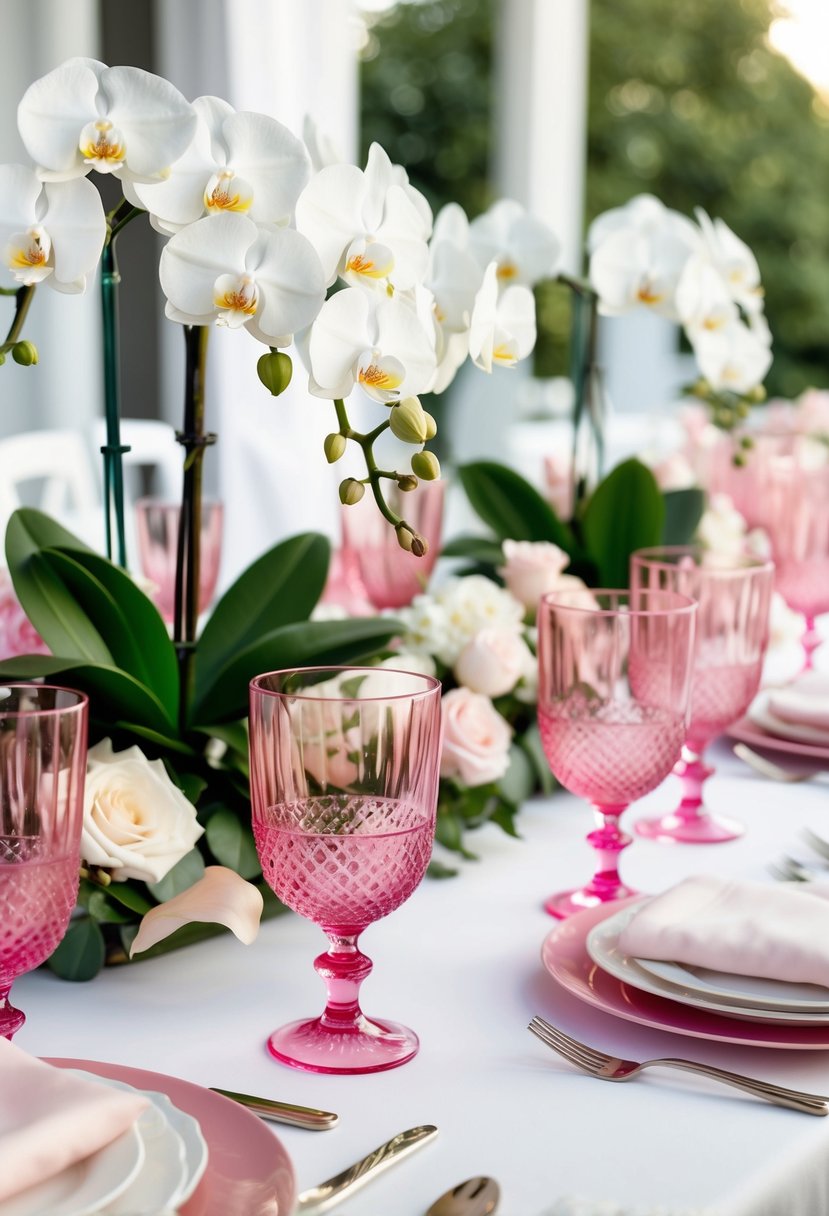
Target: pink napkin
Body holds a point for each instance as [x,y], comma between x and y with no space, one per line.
[742,928]
[805,703]
[50,1119]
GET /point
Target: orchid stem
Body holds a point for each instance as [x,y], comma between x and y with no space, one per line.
[23,300]
[375,475]
[113,449]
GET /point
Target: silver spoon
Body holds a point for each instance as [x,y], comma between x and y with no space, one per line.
[475,1197]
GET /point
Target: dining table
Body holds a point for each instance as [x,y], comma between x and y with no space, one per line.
[461,963]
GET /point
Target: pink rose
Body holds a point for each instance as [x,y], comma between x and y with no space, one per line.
[558,480]
[476,738]
[493,661]
[17,634]
[532,569]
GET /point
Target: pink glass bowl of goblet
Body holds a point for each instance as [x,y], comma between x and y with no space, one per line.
[42,770]
[344,780]
[157,525]
[732,630]
[613,693]
[390,576]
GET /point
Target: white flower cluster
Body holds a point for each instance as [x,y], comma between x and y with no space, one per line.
[442,623]
[259,231]
[698,274]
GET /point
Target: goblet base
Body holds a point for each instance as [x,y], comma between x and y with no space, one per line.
[371,1045]
[11,1020]
[700,828]
[567,903]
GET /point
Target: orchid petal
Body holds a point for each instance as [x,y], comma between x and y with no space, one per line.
[524,247]
[271,157]
[733,358]
[19,194]
[402,229]
[337,338]
[76,223]
[179,199]
[379,178]
[703,299]
[451,225]
[219,897]
[157,120]
[319,145]
[454,280]
[289,275]
[193,259]
[516,316]
[53,111]
[402,334]
[329,212]
[482,323]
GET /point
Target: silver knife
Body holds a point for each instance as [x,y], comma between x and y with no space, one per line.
[327,1194]
[283,1112]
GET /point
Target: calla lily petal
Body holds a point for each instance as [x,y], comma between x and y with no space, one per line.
[193,259]
[54,110]
[220,897]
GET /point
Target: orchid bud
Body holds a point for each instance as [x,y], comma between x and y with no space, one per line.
[275,370]
[334,445]
[406,482]
[351,491]
[24,353]
[2,358]
[410,541]
[426,466]
[757,394]
[431,426]
[408,421]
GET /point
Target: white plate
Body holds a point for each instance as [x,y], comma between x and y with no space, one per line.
[761,715]
[83,1188]
[603,947]
[758,992]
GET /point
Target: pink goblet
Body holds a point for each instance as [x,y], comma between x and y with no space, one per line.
[42,770]
[734,598]
[391,576]
[614,679]
[157,526]
[344,781]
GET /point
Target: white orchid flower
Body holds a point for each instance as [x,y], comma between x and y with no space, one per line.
[734,260]
[502,330]
[703,300]
[224,269]
[645,214]
[454,275]
[370,227]
[236,162]
[732,358]
[321,148]
[525,249]
[52,232]
[84,115]
[376,342]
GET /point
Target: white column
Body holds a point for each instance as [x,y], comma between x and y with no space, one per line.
[65,389]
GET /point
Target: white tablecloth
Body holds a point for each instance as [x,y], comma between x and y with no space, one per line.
[460,963]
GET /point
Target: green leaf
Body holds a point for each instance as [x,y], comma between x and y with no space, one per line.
[232,844]
[192,785]
[625,512]
[80,956]
[683,511]
[281,587]
[437,869]
[31,530]
[519,781]
[129,897]
[480,549]
[102,909]
[304,644]
[532,745]
[511,506]
[163,740]
[504,815]
[183,875]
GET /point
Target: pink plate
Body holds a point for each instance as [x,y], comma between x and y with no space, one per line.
[564,954]
[746,731]
[248,1170]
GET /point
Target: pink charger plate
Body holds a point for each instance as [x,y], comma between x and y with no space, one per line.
[248,1170]
[564,954]
[746,731]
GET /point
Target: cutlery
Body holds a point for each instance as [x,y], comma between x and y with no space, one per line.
[610,1068]
[327,1194]
[789,870]
[283,1112]
[475,1197]
[767,768]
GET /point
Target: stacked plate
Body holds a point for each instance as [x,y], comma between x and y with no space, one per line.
[792,720]
[153,1168]
[746,998]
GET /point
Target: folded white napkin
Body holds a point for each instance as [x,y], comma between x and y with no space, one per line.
[50,1119]
[805,703]
[742,928]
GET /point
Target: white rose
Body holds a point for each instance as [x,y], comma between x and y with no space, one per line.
[136,821]
[493,662]
[722,529]
[532,569]
[476,738]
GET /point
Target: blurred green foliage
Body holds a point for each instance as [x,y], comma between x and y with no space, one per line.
[687,101]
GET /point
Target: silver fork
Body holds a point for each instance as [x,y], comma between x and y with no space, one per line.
[767,768]
[610,1068]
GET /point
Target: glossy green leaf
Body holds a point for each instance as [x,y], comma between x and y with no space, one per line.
[683,511]
[183,875]
[231,843]
[480,549]
[304,644]
[80,956]
[625,512]
[281,587]
[105,911]
[116,699]
[129,897]
[511,507]
[519,781]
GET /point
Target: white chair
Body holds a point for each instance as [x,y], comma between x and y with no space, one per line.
[50,470]
[153,465]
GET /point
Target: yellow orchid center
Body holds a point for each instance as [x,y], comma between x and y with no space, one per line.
[237,299]
[369,260]
[380,375]
[505,354]
[27,256]
[506,271]
[102,146]
[227,192]
[375,377]
[647,295]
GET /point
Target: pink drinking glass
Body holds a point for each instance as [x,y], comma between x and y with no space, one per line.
[614,683]
[732,631]
[391,576]
[344,781]
[157,528]
[42,769]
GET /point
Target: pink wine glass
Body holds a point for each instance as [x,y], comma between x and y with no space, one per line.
[390,576]
[157,528]
[344,780]
[42,769]
[614,682]
[734,598]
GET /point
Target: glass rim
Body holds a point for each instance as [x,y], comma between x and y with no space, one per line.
[80,705]
[683,605]
[743,563]
[433,684]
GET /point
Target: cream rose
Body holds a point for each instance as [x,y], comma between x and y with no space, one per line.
[531,569]
[493,662]
[476,738]
[137,823]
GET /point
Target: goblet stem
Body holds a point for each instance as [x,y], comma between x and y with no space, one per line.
[606,884]
[810,640]
[342,969]
[11,1019]
[691,822]
[693,773]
